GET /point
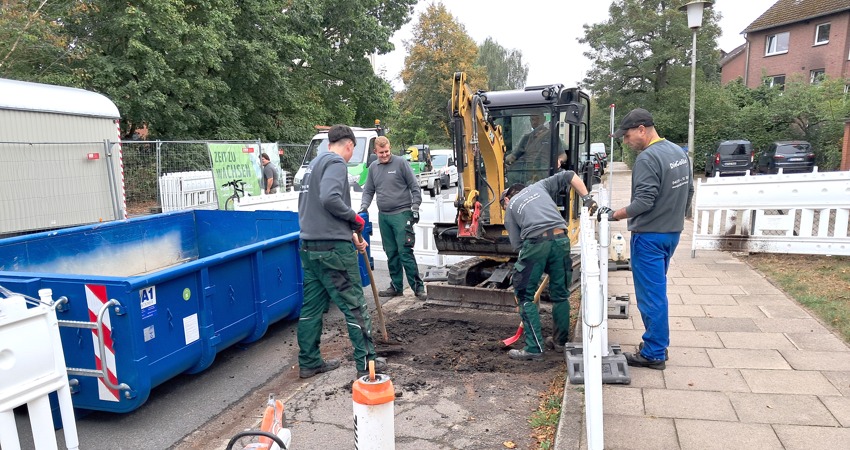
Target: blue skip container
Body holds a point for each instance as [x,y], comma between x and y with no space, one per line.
[146,299]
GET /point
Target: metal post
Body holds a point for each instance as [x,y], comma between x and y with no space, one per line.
[611,158]
[689,213]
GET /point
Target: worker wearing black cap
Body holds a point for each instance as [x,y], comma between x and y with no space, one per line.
[330,262]
[662,186]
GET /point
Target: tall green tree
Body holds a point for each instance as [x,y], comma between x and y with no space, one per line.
[32,45]
[636,52]
[440,47]
[505,69]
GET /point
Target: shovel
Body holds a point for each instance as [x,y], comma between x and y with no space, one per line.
[381,324]
[519,330]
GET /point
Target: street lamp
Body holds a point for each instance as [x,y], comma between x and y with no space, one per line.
[694,10]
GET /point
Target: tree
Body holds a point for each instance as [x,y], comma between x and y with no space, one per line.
[505,69]
[439,48]
[636,51]
[32,47]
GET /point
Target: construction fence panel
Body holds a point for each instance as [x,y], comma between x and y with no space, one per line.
[784,213]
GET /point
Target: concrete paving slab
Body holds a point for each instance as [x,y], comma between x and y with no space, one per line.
[637,433]
[622,400]
[646,378]
[675,273]
[817,342]
[839,407]
[688,357]
[755,340]
[784,311]
[626,337]
[704,379]
[739,311]
[762,299]
[695,281]
[747,358]
[617,282]
[782,409]
[706,339]
[674,299]
[711,435]
[790,326]
[797,437]
[688,404]
[725,324]
[708,299]
[623,324]
[686,311]
[812,360]
[681,289]
[788,382]
[718,289]
[840,380]
[681,324]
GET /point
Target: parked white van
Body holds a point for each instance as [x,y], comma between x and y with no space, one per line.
[598,149]
[443,161]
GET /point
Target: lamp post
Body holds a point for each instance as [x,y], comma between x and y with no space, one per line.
[694,10]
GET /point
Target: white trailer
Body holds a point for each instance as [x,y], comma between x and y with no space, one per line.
[430,181]
[60,158]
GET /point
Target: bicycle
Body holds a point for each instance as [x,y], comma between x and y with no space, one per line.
[238,192]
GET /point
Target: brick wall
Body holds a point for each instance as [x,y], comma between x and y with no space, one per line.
[802,56]
[734,68]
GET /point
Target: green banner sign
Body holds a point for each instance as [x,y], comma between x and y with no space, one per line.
[238,163]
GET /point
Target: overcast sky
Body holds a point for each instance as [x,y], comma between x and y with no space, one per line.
[547,32]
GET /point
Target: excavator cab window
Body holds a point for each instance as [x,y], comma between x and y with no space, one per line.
[528,141]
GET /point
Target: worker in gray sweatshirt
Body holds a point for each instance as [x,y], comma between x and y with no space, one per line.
[392,179]
[330,261]
[538,230]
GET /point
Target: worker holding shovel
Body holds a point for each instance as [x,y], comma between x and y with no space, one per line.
[331,273]
[537,229]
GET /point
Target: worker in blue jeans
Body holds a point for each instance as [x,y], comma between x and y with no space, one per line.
[662,187]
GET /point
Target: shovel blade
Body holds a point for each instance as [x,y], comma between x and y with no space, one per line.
[513,338]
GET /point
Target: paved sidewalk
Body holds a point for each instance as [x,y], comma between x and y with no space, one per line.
[749,368]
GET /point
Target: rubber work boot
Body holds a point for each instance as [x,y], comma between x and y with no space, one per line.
[666,352]
[637,360]
[421,295]
[327,366]
[380,367]
[390,292]
[552,345]
[523,355]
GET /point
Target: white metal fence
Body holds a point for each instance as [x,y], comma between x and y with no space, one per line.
[187,190]
[783,213]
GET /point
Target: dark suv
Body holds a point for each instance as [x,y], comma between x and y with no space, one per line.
[790,156]
[731,157]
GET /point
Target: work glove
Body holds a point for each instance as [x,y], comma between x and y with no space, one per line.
[414,218]
[608,212]
[358,223]
[589,203]
[510,159]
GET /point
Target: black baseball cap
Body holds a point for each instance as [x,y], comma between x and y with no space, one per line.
[634,119]
[339,132]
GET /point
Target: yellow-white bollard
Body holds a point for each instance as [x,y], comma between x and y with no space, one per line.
[373,396]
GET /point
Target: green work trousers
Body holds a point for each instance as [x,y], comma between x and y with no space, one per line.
[398,239]
[536,256]
[332,273]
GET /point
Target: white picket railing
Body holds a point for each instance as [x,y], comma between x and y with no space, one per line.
[784,213]
[187,190]
[593,325]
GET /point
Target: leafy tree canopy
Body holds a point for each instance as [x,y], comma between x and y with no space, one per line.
[505,69]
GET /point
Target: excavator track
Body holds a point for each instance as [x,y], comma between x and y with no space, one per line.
[481,283]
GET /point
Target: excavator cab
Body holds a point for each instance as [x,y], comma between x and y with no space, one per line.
[501,138]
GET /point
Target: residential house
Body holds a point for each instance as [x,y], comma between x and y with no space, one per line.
[806,38]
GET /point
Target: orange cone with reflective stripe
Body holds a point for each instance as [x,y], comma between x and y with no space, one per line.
[373,397]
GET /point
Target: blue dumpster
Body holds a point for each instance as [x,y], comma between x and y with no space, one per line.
[149,298]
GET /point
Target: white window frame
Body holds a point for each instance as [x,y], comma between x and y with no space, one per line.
[774,39]
[816,75]
[771,81]
[818,34]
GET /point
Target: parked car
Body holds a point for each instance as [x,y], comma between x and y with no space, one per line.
[598,149]
[730,158]
[790,156]
[443,161]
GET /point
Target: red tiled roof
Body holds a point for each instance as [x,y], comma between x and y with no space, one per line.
[784,12]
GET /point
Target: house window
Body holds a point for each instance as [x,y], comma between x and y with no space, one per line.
[775,81]
[816,76]
[822,34]
[777,43]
